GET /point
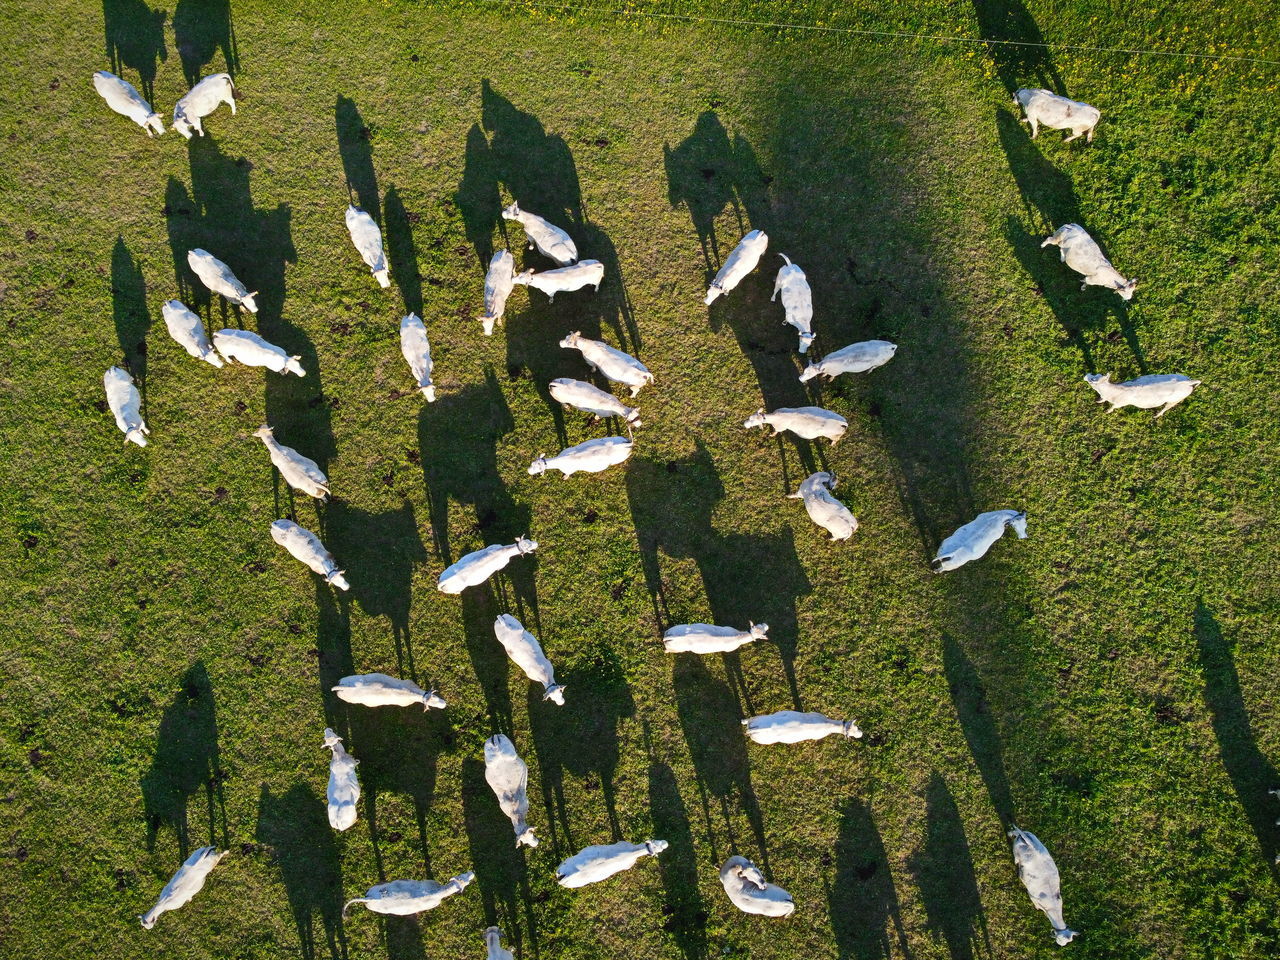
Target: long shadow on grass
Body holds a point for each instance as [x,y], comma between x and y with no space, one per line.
[135,41]
[402,253]
[333,653]
[685,913]
[129,308]
[1016,45]
[969,695]
[200,29]
[861,899]
[356,150]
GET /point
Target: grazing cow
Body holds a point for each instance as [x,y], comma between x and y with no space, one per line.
[344,787]
[708,638]
[855,358]
[217,276]
[1044,107]
[585,396]
[124,99]
[1082,254]
[187,330]
[493,943]
[508,777]
[596,863]
[525,651]
[479,565]
[609,361]
[787,726]
[201,100]
[807,422]
[592,456]
[584,273]
[750,892]
[306,547]
[301,473]
[498,283]
[975,538]
[1039,874]
[738,264]
[186,883]
[1163,390]
[126,403]
[251,350]
[824,509]
[403,898]
[368,240]
[550,240]
[417,353]
[380,690]
[797,301]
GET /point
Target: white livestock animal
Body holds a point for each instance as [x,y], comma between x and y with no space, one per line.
[493,944]
[584,273]
[186,883]
[797,300]
[126,404]
[550,240]
[344,787]
[975,538]
[124,99]
[750,892]
[306,547]
[824,509]
[217,276]
[525,651]
[380,690]
[187,330]
[368,241]
[403,898]
[855,358]
[709,638]
[498,284]
[417,353]
[479,565]
[301,473]
[596,863]
[807,422]
[1039,874]
[201,100]
[1164,390]
[250,349]
[1046,108]
[591,456]
[1082,254]
[508,777]
[788,726]
[587,396]
[738,264]
[610,361]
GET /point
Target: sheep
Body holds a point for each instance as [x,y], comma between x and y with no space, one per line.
[368,241]
[525,651]
[738,264]
[595,863]
[187,330]
[550,240]
[584,273]
[1081,253]
[788,726]
[508,777]
[797,301]
[403,898]
[380,690]
[498,284]
[1039,874]
[1057,113]
[807,422]
[306,547]
[344,787]
[585,396]
[479,565]
[184,885]
[592,456]
[1163,390]
[493,943]
[126,404]
[751,893]
[708,638]
[855,358]
[975,538]
[201,100]
[124,99]
[609,361]
[250,349]
[301,473]
[417,353]
[217,276]
[824,509]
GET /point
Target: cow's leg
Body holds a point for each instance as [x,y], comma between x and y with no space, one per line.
[1074,136]
[1035,128]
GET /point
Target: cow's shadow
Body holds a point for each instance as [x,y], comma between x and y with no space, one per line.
[685,912]
[1016,46]
[132,316]
[969,695]
[200,29]
[135,41]
[862,902]
[356,150]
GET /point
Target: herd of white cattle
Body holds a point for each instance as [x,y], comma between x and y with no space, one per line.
[505,772]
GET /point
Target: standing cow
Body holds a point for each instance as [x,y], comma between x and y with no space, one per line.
[124,99]
[975,538]
[526,652]
[201,100]
[187,330]
[185,884]
[550,240]
[1039,874]
[1082,254]
[416,350]
[368,241]
[824,509]
[1045,108]
[498,284]
[508,777]
[797,301]
[125,403]
[744,258]
[344,786]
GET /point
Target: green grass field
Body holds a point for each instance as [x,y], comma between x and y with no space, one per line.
[1109,684]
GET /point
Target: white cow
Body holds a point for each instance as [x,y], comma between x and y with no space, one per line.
[344,787]
[738,264]
[186,883]
[975,538]
[1082,254]
[380,690]
[493,944]
[1044,107]
[855,358]
[751,892]
[508,777]
[584,273]
[123,98]
[301,473]
[417,353]
[201,100]
[1039,874]
[479,565]
[126,403]
[797,301]
[187,330]
[788,726]
[525,651]
[708,638]
[1164,390]
[217,276]
[591,456]
[368,240]
[824,509]
[403,898]
[586,396]
[550,240]
[596,863]
[498,283]
[611,362]
[250,349]
[306,547]
[807,422]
